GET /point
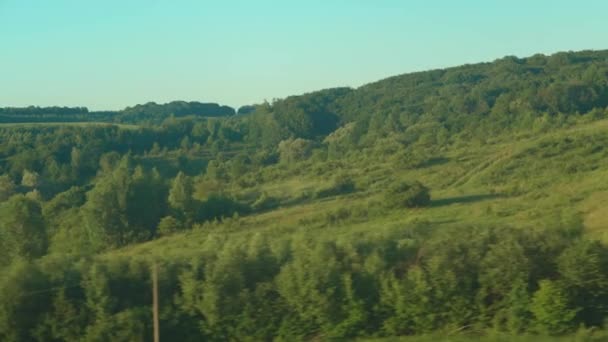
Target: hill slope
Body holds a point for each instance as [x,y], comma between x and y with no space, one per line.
[310,218]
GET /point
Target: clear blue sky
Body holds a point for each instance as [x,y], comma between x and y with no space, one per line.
[107,54]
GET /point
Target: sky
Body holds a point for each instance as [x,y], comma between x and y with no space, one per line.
[109,54]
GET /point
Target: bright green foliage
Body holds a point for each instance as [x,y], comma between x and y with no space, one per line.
[23,301]
[309,115]
[340,141]
[7,188]
[105,210]
[552,308]
[239,166]
[180,196]
[261,286]
[584,266]
[124,207]
[22,229]
[30,179]
[294,150]
[216,171]
[503,293]
[169,225]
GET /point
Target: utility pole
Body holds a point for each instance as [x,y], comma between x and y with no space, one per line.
[155,301]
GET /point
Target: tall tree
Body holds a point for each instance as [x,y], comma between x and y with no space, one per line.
[7,188]
[180,197]
[22,229]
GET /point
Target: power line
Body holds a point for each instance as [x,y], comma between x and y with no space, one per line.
[27,294]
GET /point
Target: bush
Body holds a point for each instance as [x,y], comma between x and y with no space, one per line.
[265,202]
[342,184]
[408,195]
[219,206]
[169,225]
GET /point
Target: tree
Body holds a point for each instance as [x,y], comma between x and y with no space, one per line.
[583,267]
[238,165]
[74,197]
[34,195]
[216,170]
[24,301]
[168,225]
[30,179]
[155,149]
[22,229]
[293,150]
[552,308]
[180,197]
[146,202]
[340,141]
[185,144]
[7,187]
[109,161]
[76,162]
[105,212]
[125,205]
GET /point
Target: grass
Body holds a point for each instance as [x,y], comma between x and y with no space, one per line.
[595,214]
[508,183]
[517,184]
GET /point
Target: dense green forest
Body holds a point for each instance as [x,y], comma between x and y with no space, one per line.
[149,113]
[461,203]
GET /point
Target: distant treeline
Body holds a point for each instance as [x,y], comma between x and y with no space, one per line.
[155,112]
[42,111]
[46,114]
[147,113]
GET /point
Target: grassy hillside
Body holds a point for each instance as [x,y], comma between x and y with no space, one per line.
[541,183]
[452,204]
[535,180]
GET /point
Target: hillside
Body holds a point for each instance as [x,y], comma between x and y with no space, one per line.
[479,100]
[468,201]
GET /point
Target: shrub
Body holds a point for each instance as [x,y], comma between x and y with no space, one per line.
[342,184]
[218,206]
[265,202]
[408,195]
[169,225]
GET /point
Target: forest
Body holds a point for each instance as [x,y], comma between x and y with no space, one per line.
[149,113]
[459,204]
